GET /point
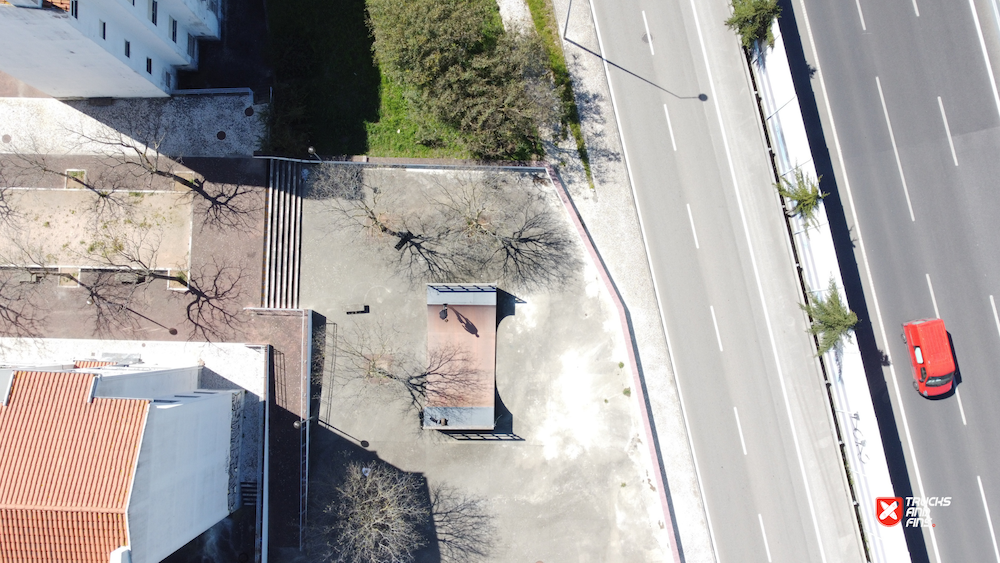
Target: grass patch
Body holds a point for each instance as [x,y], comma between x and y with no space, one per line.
[401,131]
[544,19]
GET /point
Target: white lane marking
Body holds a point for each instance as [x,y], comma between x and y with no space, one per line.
[996,319]
[760,288]
[916,10]
[764,534]
[892,138]
[694,232]
[718,337]
[656,289]
[868,269]
[947,131]
[989,520]
[670,127]
[961,409]
[648,36]
[861,15]
[933,300]
[739,428]
[986,55]
[996,13]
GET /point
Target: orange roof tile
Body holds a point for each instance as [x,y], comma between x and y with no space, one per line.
[67,467]
[57,536]
[83,364]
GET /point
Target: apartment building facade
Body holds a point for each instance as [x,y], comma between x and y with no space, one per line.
[104,48]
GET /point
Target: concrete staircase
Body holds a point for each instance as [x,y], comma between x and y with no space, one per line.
[283,237]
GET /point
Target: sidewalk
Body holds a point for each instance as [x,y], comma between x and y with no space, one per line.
[609,214]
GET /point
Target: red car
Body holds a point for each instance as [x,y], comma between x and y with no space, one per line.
[930,356]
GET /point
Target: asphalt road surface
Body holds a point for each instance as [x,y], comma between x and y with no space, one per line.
[910,114]
[758,419]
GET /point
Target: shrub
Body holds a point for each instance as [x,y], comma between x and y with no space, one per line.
[806,195]
[752,20]
[491,86]
[831,319]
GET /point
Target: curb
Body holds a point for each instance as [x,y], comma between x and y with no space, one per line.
[638,381]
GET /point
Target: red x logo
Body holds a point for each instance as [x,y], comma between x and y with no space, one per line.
[889,510]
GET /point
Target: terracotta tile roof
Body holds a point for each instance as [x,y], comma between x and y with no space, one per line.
[60,4]
[67,467]
[83,364]
[59,536]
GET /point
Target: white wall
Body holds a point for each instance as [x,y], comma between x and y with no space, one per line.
[42,48]
[68,57]
[147,384]
[180,488]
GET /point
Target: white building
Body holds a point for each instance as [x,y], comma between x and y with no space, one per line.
[103,48]
[109,463]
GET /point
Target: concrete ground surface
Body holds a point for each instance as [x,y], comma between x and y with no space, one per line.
[210,125]
[568,477]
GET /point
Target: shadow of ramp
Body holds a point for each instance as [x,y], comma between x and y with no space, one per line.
[506,304]
[871,355]
[503,429]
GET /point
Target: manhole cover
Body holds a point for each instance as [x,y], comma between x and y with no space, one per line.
[221,135]
[645,38]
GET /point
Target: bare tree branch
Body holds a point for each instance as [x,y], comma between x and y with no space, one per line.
[375,353]
[378,516]
[416,239]
[464,526]
[474,226]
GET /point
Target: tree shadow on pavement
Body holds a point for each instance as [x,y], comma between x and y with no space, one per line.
[454,526]
[871,355]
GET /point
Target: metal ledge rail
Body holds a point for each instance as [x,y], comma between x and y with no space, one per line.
[283,235]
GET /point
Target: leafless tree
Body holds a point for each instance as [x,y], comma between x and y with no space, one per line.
[477,225]
[123,257]
[416,238]
[126,158]
[371,352]
[22,307]
[378,515]
[507,231]
[139,156]
[112,194]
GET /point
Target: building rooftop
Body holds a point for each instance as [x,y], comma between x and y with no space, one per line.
[67,461]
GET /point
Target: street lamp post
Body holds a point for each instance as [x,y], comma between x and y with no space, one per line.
[312,151]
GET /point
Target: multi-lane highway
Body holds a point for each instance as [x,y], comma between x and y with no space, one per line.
[760,426]
[907,95]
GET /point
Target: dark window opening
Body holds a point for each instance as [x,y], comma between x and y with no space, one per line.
[149,65]
[173,30]
[152,12]
[74,8]
[104,30]
[128,48]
